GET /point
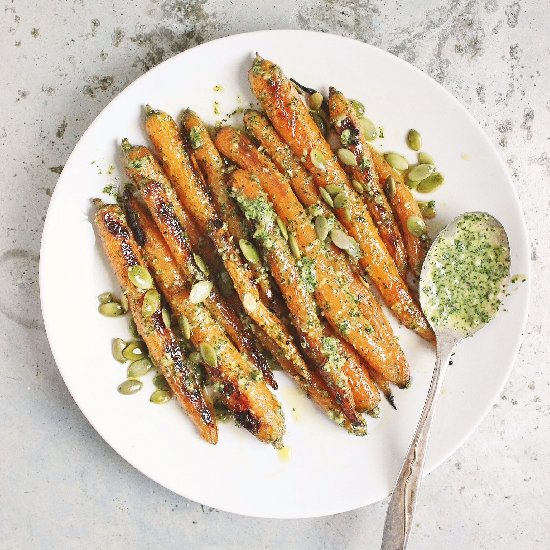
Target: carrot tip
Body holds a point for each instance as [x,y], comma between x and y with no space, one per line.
[375,413]
[126,145]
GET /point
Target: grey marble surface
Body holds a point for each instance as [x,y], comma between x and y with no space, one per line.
[62,61]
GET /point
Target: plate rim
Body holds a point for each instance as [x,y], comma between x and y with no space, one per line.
[524,245]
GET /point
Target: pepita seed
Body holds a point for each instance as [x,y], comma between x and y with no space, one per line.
[293,245]
[160,383]
[282,228]
[326,196]
[431,183]
[411,184]
[321,124]
[133,329]
[134,351]
[159,397]
[201,264]
[397,161]
[249,251]
[416,226]
[139,368]
[105,297]
[368,129]
[200,291]
[321,227]
[346,157]
[208,354]
[427,209]
[195,358]
[347,213]
[111,309]
[117,347]
[333,189]
[340,239]
[151,302]
[140,277]
[346,137]
[130,386]
[318,160]
[420,172]
[340,200]
[124,302]
[315,101]
[358,107]
[425,158]
[249,302]
[166,318]
[358,186]
[414,139]
[185,327]
[390,187]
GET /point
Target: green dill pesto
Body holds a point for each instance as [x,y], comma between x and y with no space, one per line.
[307,274]
[195,137]
[468,272]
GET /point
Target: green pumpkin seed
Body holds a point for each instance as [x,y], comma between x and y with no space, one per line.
[358,186]
[133,329]
[282,228]
[425,158]
[368,129]
[226,284]
[326,196]
[159,397]
[166,318]
[358,107]
[293,245]
[124,302]
[249,302]
[139,368]
[416,226]
[347,214]
[420,172]
[315,101]
[427,209]
[345,137]
[130,386]
[105,297]
[431,183]
[151,302]
[134,351]
[340,239]
[208,354]
[111,309]
[397,161]
[346,157]
[185,327]
[318,160]
[249,251]
[411,184]
[140,277]
[390,187]
[340,200]
[117,347]
[414,140]
[195,358]
[160,382]
[321,124]
[201,264]
[321,227]
[333,189]
[200,291]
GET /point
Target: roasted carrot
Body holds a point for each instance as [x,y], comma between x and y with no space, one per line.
[243,388]
[291,119]
[404,206]
[167,212]
[123,253]
[370,335]
[296,281]
[384,386]
[364,177]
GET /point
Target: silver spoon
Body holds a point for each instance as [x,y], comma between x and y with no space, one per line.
[448,332]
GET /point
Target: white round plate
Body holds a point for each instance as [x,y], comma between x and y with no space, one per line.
[329,470]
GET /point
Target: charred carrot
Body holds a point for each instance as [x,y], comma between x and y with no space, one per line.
[125,257]
[291,119]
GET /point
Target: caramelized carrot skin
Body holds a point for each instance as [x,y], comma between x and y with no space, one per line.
[294,124]
[123,253]
[404,206]
[344,119]
[244,390]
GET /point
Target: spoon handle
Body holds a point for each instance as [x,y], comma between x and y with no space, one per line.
[403,500]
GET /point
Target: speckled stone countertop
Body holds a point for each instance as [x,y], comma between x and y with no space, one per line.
[61,485]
